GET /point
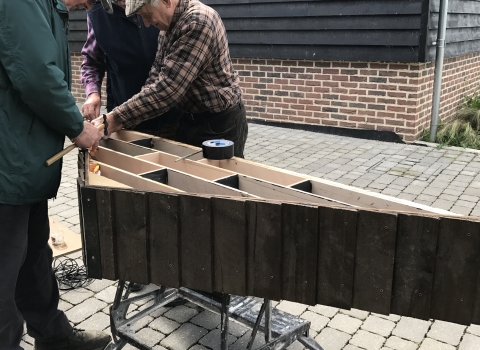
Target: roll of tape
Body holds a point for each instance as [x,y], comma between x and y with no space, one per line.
[217,149]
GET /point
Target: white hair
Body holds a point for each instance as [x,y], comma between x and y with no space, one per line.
[154,3]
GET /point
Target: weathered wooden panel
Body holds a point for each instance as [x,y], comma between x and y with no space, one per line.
[131,233]
[299,258]
[337,232]
[265,259]
[106,234]
[456,270]
[414,265]
[91,240]
[230,245]
[163,238]
[374,258]
[195,242]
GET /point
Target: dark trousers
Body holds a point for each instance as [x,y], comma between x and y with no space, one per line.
[28,289]
[230,124]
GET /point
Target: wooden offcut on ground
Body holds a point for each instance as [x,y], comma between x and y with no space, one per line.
[239,227]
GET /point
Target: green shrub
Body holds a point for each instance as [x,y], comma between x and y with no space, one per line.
[464,129]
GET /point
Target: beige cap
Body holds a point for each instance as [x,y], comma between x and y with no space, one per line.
[133,6]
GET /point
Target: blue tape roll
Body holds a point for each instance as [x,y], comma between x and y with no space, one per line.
[217,149]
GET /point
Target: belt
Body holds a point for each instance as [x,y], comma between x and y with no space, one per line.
[208,115]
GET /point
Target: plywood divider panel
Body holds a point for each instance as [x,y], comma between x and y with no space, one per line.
[230,245]
[456,270]
[193,184]
[337,231]
[163,238]
[131,235]
[374,259]
[266,260]
[256,170]
[414,265]
[124,162]
[299,258]
[125,147]
[196,242]
[267,190]
[95,180]
[176,148]
[201,170]
[106,234]
[134,181]
[128,135]
[90,234]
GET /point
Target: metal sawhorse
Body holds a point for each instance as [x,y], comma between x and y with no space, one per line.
[280,328]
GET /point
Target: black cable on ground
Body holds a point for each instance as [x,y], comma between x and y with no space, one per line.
[69,274]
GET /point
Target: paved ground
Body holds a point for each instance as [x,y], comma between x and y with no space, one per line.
[443,178]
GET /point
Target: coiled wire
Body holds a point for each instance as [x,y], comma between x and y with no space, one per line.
[69,274]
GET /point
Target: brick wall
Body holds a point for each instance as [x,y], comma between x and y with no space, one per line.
[365,95]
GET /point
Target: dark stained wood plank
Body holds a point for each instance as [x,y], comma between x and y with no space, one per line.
[456,270]
[414,265]
[131,233]
[106,234]
[299,258]
[230,245]
[266,257]
[337,232]
[251,218]
[163,238]
[374,257]
[195,242]
[92,252]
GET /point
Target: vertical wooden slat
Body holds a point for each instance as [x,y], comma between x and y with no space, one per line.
[131,233]
[374,258]
[267,251]
[251,218]
[91,241]
[106,236]
[195,242]
[299,258]
[230,245]
[456,270]
[414,265]
[337,232]
[80,184]
[163,238]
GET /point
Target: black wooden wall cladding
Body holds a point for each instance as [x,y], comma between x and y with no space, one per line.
[351,30]
[383,262]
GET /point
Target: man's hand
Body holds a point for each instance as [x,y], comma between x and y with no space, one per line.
[113,126]
[91,107]
[89,137]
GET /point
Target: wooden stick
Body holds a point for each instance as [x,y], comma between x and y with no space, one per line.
[62,153]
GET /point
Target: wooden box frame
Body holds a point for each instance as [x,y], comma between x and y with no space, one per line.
[243,228]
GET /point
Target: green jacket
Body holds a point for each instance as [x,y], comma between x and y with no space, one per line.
[37,109]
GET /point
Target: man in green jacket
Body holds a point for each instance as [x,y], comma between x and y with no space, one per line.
[37,111]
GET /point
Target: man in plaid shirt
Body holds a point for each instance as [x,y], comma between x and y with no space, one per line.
[192,71]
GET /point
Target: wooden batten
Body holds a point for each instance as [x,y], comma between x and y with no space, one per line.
[125,147]
[124,162]
[252,169]
[176,148]
[268,190]
[129,136]
[362,198]
[186,166]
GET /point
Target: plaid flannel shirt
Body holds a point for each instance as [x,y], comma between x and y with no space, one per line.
[192,70]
